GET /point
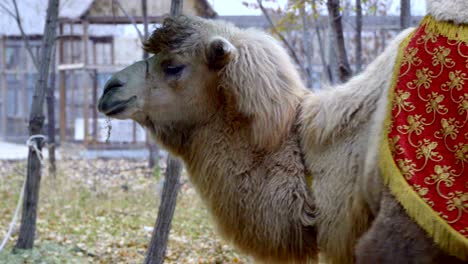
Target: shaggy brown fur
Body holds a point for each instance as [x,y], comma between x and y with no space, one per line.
[230,103]
[265,207]
[415,247]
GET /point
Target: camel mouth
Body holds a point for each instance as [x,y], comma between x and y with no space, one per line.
[114,108]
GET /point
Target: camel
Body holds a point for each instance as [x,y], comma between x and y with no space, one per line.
[286,173]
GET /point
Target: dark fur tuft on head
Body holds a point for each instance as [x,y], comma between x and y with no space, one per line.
[172,34]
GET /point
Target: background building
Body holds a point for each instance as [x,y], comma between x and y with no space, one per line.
[99,37]
[96,39]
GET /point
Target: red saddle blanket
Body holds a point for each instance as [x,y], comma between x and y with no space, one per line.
[424,155]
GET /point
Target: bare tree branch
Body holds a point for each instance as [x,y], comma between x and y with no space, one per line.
[23,35]
[132,20]
[281,36]
[8,11]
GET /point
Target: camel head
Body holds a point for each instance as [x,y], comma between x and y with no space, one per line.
[201,68]
[171,87]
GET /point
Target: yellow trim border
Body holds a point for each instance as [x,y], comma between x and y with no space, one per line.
[448,29]
[443,234]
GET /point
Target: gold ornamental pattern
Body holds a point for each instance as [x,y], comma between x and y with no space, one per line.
[428,131]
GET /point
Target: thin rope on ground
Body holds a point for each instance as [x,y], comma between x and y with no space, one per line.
[15,216]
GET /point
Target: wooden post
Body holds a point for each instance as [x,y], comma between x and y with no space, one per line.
[62,92]
[95,96]
[72,44]
[95,113]
[71,102]
[85,39]
[86,82]
[94,54]
[112,51]
[3,120]
[62,107]
[134,124]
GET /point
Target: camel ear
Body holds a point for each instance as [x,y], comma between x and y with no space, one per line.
[219,52]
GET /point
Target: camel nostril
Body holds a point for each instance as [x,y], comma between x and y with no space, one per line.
[113,84]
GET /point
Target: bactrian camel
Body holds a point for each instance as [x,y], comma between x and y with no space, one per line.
[286,173]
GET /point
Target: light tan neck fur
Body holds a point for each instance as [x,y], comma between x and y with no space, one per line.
[260,200]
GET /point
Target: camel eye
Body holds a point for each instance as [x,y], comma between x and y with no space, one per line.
[173,70]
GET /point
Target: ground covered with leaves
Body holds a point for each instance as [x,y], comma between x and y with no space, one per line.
[103,211]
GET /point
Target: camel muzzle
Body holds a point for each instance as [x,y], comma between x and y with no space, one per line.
[113,84]
[110,104]
[111,108]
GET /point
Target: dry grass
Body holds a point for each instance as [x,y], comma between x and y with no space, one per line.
[101,211]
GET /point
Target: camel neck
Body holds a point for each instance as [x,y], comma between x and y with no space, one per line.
[257,198]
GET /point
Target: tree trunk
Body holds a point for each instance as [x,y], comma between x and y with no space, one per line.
[344,71]
[157,248]
[306,41]
[358,36]
[51,116]
[36,122]
[158,244]
[405,15]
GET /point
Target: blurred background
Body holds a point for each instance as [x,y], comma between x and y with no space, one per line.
[97,38]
